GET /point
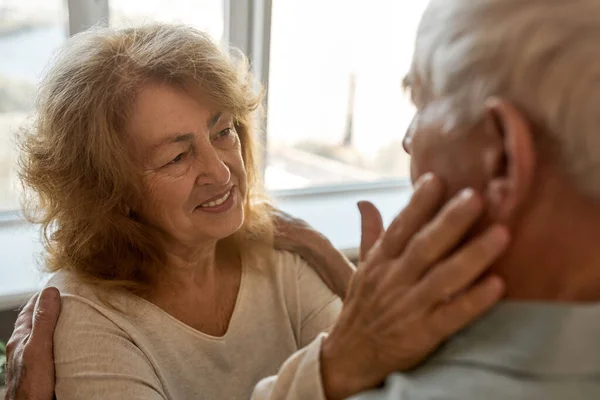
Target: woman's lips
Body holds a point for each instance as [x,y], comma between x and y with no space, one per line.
[219,196]
[219,204]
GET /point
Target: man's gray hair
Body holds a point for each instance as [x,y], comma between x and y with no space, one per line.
[543,55]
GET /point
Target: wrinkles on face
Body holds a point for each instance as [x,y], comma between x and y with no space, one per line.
[192,153]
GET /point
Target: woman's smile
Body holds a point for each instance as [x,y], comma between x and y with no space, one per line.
[219,204]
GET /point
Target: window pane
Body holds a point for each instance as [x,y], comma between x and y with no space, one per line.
[206,15]
[337,112]
[30,30]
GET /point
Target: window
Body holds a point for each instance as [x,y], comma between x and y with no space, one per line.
[206,15]
[29,31]
[337,112]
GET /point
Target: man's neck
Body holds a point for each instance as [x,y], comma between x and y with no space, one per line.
[555,256]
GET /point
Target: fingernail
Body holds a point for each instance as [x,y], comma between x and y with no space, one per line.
[51,293]
[466,194]
[425,179]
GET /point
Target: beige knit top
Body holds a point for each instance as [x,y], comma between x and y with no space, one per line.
[138,351]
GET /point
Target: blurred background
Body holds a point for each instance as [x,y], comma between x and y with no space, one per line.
[336,109]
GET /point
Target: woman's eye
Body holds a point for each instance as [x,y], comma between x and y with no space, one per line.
[177,159]
[225,133]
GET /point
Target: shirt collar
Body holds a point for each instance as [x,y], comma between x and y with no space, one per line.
[531,338]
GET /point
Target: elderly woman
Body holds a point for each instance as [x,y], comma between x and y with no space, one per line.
[142,160]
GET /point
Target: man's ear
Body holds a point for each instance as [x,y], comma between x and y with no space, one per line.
[511,170]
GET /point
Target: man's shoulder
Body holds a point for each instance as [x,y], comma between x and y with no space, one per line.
[528,351]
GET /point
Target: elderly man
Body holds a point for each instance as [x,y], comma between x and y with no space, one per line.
[508,98]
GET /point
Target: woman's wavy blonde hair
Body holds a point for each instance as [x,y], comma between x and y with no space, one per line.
[78,175]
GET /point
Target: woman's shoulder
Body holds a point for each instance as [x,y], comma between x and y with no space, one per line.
[94,342]
[69,283]
[291,268]
[284,258]
[299,278]
[311,303]
[83,301]
[295,268]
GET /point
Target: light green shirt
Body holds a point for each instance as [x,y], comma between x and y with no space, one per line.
[529,351]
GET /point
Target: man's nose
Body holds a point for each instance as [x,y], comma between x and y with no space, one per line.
[406,143]
[408,136]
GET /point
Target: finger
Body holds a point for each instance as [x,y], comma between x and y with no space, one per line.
[423,205]
[448,318]
[25,318]
[45,318]
[462,269]
[371,227]
[440,236]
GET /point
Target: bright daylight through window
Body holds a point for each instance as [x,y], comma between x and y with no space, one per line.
[337,112]
[30,30]
[206,15]
[336,109]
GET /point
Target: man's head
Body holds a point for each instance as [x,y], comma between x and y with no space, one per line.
[508,99]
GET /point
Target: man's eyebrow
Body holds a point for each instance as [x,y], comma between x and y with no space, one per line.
[407,82]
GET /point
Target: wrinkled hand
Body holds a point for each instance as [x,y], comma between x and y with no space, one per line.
[298,237]
[30,363]
[413,288]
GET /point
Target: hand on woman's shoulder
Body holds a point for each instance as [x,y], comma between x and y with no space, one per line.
[92,341]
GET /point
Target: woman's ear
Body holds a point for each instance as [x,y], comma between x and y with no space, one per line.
[513,166]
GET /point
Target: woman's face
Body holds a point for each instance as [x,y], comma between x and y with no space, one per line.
[194,177]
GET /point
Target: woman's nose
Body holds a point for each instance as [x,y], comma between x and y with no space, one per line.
[212,169]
